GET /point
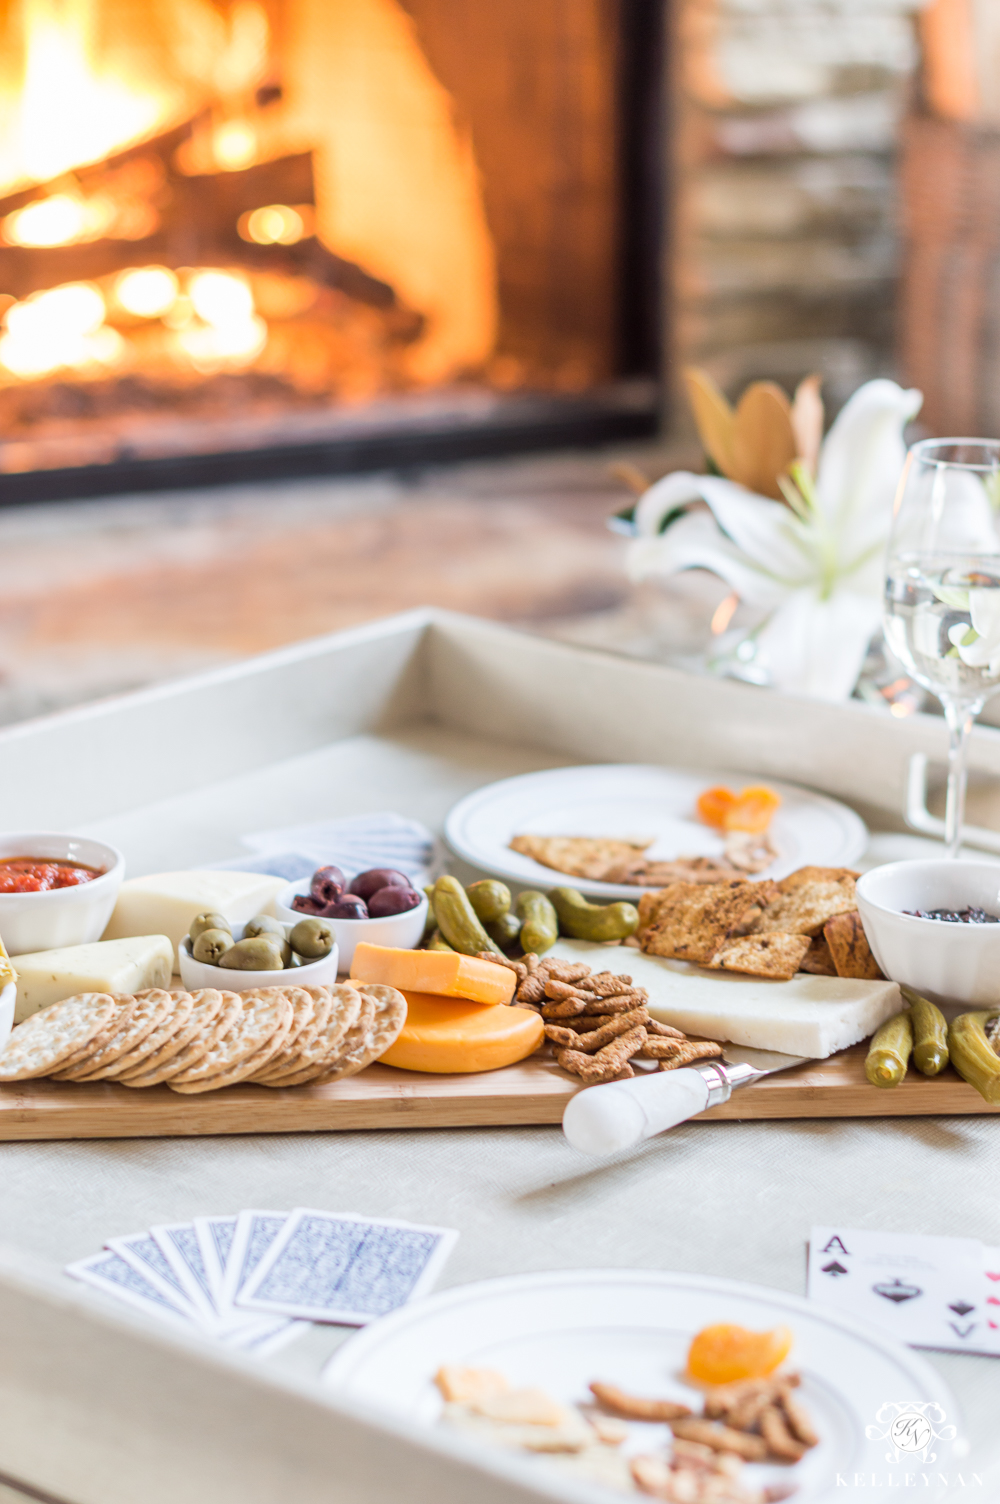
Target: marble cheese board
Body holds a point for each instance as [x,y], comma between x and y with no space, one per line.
[534,1092]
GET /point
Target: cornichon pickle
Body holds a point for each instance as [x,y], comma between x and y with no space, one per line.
[973,1056]
[489,899]
[593,921]
[889,1051]
[430,924]
[505,930]
[438,942]
[457,919]
[540,927]
[930,1033]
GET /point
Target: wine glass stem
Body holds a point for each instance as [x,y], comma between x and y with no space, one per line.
[959,718]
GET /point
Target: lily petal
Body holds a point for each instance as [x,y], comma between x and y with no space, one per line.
[767,531]
[694,542]
[861,461]
[817,647]
[664,497]
[984,608]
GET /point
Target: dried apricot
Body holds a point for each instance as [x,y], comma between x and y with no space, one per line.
[724,1353]
[753,811]
[714,806]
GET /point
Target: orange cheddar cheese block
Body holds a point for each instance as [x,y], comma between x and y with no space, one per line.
[439,971]
[444,1035]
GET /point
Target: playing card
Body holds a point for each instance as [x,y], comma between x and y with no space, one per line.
[109,1272]
[178,1242]
[991,1273]
[344,1268]
[215,1240]
[927,1291]
[254,1234]
[262,1335]
[147,1258]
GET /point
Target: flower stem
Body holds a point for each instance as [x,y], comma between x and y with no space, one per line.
[959,716]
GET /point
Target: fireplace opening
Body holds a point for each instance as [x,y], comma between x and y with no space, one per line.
[271,237]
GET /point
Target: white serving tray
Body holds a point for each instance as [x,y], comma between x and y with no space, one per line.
[98,1409]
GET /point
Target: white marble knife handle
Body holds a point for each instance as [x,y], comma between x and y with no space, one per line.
[602,1120]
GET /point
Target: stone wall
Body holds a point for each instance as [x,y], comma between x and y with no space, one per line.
[785,250]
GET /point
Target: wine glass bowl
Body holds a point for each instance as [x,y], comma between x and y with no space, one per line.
[942,589]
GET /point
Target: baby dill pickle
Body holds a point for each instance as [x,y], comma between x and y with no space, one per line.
[973,1056]
[504,930]
[930,1033]
[490,899]
[889,1051]
[437,942]
[540,924]
[457,919]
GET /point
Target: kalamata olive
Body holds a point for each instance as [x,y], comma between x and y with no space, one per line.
[211,946]
[348,907]
[376,878]
[328,883]
[304,903]
[392,901]
[208,921]
[259,954]
[312,938]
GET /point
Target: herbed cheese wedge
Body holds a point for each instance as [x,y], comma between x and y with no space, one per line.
[166,903]
[47,976]
[809,1015]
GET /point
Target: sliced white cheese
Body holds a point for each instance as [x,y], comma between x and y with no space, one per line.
[47,976]
[813,1016]
[167,902]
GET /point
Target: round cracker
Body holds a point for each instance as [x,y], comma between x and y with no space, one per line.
[172,1030]
[139,1018]
[241,1071]
[324,1046]
[41,1044]
[310,1009]
[389,1018]
[103,1036]
[255,1021]
[213,1012]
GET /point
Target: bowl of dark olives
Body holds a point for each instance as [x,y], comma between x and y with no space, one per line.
[380,905]
[266,952]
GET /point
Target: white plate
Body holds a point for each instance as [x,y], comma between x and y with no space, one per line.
[632,1327]
[632,801]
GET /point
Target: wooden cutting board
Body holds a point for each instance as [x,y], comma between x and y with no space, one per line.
[536,1091]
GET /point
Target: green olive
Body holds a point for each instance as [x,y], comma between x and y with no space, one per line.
[259,954]
[211,946]
[264,925]
[208,921]
[312,938]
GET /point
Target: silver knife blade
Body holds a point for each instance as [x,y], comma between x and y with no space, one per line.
[764,1061]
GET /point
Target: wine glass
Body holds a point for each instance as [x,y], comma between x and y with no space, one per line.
[942,589]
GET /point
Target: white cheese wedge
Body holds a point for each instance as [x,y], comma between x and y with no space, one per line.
[813,1016]
[47,976]
[167,903]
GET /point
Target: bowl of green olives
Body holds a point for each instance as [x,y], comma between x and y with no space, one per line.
[266,952]
[380,906]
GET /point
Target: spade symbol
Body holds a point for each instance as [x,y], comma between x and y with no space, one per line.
[962,1331]
[834,1269]
[961,1308]
[896,1291]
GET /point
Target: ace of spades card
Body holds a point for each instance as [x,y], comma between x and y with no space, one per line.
[926,1291]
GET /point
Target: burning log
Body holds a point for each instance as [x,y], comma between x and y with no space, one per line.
[192,221]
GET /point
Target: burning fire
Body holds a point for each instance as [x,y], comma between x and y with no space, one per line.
[397,187]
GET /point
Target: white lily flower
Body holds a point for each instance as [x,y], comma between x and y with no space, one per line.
[814,565]
[979,645]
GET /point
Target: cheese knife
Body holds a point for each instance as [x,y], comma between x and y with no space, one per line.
[603,1120]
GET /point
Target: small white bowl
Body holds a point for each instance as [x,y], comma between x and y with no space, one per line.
[401,931]
[59,916]
[8,997]
[195,974]
[949,963]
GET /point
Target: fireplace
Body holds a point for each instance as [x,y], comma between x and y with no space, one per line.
[247,238]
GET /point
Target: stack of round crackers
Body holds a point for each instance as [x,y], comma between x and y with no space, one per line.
[199,1041]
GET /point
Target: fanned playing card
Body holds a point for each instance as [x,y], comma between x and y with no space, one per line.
[926,1291]
[112,1275]
[344,1268]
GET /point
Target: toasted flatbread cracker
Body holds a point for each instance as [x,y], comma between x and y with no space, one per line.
[690,921]
[803,875]
[818,959]
[848,943]
[640,873]
[776,955]
[579,856]
[806,908]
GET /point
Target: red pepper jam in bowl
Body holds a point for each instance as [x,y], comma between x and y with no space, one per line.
[28,874]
